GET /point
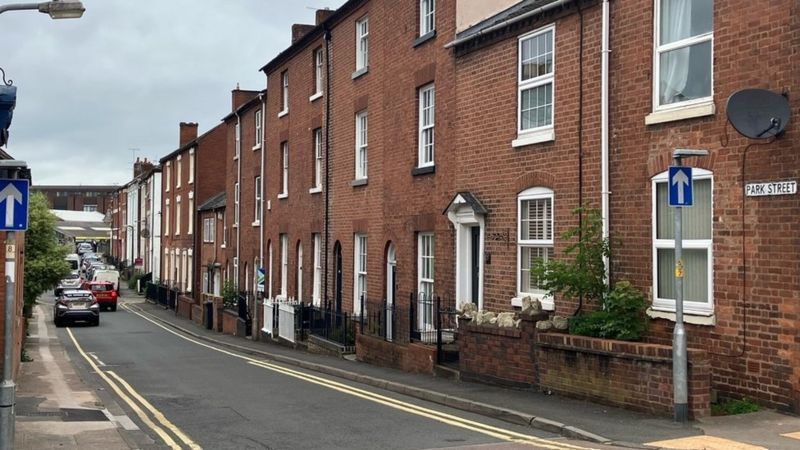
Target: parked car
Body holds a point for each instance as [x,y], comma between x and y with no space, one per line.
[107,274]
[93,267]
[72,306]
[72,281]
[74,261]
[104,293]
[84,247]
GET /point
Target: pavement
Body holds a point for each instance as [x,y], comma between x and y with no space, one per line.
[571,418]
[57,408]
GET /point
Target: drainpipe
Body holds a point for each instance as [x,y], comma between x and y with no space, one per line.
[239,193]
[604,165]
[263,99]
[327,37]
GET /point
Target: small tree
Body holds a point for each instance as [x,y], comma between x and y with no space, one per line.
[230,294]
[583,273]
[45,265]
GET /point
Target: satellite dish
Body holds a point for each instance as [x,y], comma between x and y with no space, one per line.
[758,113]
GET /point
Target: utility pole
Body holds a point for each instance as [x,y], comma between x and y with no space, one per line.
[680,195]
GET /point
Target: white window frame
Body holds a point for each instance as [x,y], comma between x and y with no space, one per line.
[318,74]
[427,17]
[360,248]
[285,170]
[209,230]
[236,194]
[259,136]
[658,49]
[237,138]
[284,93]
[224,231]
[299,273]
[191,166]
[190,219]
[179,175]
[425,127]
[668,305]
[178,215]
[166,217]
[421,259]
[546,132]
[169,175]
[189,271]
[316,297]
[535,193]
[362,43]
[269,280]
[257,201]
[362,144]
[317,161]
[284,263]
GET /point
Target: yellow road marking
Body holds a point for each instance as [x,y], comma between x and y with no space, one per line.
[158,430]
[795,435]
[156,413]
[704,443]
[498,433]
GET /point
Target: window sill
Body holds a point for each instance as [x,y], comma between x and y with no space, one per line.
[282,196]
[424,38]
[257,147]
[424,170]
[257,223]
[536,137]
[316,96]
[315,190]
[691,318]
[222,246]
[681,113]
[359,182]
[360,72]
[236,225]
[235,157]
[283,113]
[191,181]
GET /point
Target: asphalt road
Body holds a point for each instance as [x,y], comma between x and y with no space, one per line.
[217,399]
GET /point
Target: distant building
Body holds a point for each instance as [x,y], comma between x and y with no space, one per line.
[78,198]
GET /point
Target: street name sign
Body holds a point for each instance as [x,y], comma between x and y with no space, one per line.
[15,195]
[787,187]
[681,192]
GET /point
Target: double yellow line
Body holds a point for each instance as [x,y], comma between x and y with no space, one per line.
[460,422]
[139,404]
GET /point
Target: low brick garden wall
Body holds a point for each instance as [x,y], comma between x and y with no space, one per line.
[632,375]
[230,321]
[184,306]
[197,315]
[415,358]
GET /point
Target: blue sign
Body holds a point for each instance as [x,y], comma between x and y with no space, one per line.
[261,278]
[14,193]
[681,192]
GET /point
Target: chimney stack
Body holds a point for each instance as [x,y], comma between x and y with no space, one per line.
[239,97]
[188,133]
[141,166]
[299,30]
[323,14]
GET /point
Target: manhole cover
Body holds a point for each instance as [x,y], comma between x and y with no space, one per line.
[82,415]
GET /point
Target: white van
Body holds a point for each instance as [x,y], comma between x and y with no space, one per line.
[107,275]
[74,261]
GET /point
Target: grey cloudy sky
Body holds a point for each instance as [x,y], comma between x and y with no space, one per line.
[124,76]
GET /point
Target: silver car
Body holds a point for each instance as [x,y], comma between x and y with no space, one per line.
[74,306]
[72,281]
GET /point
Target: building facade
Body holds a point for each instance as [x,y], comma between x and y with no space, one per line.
[78,198]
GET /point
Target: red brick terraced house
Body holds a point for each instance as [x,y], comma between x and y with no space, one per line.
[243,160]
[533,143]
[189,178]
[211,217]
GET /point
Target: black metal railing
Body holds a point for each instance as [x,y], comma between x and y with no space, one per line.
[162,294]
[381,322]
[339,327]
[434,320]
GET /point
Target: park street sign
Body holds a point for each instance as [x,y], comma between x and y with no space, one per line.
[680,186]
[787,187]
[15,195]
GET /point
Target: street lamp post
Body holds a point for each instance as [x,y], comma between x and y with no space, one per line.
[56,9]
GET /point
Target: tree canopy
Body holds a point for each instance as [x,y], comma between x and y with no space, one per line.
[44,256]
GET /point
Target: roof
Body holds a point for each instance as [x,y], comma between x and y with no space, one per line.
[189,144]
[312,35]
[215,202]
[520,11]
[86,187]
[78,216]
[469,199]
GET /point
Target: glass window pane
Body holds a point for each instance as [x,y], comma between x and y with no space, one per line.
[697,220]
[685,73]
[536,107]
[536,56]
[695,281]
[681,19]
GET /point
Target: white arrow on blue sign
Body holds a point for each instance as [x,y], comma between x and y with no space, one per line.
[681,192]
[15,195]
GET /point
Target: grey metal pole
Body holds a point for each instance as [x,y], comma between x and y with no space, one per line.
[679,357]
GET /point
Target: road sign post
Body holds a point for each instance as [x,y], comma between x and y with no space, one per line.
[681,194]
[15,193]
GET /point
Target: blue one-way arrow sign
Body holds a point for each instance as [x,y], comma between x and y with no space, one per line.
[680,186]
[15,195]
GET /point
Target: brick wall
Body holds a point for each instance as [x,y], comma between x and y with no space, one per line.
[498,355]
[415,358]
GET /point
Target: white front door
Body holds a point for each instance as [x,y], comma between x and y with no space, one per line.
[391,288]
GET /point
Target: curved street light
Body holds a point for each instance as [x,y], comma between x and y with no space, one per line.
[57,9]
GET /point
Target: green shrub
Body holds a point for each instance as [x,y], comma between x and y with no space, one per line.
[133,279]
[230,295]
[732,407]
[623,316]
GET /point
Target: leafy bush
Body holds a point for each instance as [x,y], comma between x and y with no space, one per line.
[44,257]
[230,295]
[623,316]
[732,407]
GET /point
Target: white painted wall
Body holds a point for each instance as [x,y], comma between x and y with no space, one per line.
[471,12]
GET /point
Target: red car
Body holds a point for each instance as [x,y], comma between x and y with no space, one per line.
[104,292]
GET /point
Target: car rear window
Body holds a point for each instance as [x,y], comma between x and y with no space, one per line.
[102,287]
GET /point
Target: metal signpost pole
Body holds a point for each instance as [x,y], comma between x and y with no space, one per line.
[679,357]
